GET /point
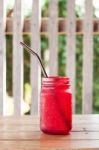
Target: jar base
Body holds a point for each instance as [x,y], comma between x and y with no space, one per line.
[55,132]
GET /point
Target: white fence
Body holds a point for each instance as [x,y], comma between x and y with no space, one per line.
[53,45]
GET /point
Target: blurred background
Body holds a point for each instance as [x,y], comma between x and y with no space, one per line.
[62,13]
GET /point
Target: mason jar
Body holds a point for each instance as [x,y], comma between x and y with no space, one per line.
[56,105]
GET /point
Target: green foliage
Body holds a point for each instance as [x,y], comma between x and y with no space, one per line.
[62,5]
[45,9]
[26,39]
[9,63]
[96,74]
[78,93]
[62,55]
[44,47]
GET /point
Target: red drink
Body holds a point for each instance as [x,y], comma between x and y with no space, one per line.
[56,105]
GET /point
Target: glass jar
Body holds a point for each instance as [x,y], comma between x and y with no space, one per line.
[56,105]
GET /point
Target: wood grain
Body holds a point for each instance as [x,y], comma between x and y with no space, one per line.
[53,39]
[62,26]
[35,68]
[57,145]
[2,57]
[23,133]
[88,58]
[17,58]
[70,51]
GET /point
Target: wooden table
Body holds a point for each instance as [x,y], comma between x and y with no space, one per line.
[23,133]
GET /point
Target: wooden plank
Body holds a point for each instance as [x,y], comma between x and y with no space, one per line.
[20,135]
[44,26]
[87,127]
[80,127]
[88,58]
[27,128]
[86,118]
[20,127]
[48,145]
[46,33]
[70,64]
[81,123]
[78,120]
[2,57]
[30,120]
[37,135]
[24,136]
[17,130]
[17,58]
[24,120]
[52,34]
[35,69]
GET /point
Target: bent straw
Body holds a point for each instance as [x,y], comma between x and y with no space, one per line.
[45,74]
[39,59]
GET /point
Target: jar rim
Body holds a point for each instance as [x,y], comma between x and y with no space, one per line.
[56,79]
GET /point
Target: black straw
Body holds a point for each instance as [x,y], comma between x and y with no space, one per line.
[32,52]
